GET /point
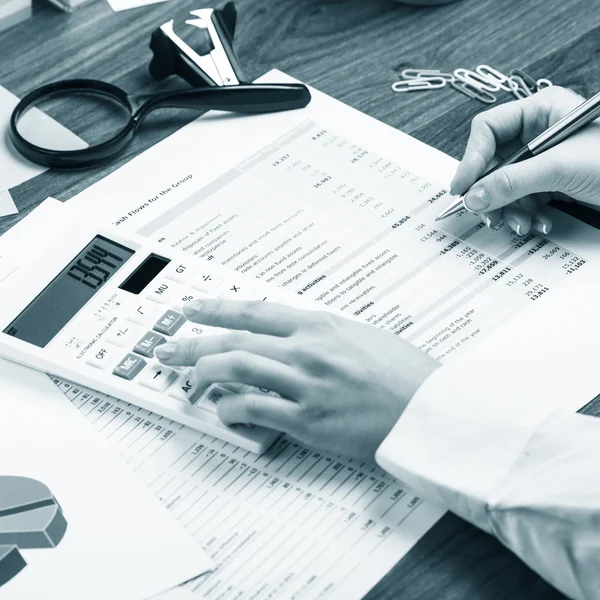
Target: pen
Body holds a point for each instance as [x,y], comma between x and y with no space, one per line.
[579,117]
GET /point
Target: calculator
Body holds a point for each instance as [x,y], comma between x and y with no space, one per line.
[93,307]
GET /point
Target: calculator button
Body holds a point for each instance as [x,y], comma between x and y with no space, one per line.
[180,300]
[123,334]
[103,356]
[239,289]
[183,388]
[169,323]
[143,313]
[148,343]
[162,291]
[254,390]
[207,280]
[129,367]
[210,399]
[190,329]
[157,378]
[180,271]
[237,388]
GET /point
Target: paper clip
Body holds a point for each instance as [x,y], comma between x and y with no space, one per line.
[529,82]
[419,84]
[476,80]
[494,76]
[543,83]
[425,74]
[519,88]
[474,92]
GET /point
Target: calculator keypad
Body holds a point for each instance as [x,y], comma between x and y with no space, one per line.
[120,332]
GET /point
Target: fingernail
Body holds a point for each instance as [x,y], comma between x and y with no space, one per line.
[192,309]
[541,227]
[538,226]
[487,221]
[165,351]
[477,200]
[514,225]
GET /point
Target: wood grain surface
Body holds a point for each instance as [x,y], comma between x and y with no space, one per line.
[353,50]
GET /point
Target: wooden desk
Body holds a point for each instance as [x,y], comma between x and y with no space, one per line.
[353,50]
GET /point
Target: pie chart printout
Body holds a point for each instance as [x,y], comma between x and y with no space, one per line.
[30,517]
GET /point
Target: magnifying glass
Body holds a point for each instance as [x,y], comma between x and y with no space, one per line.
[107,118]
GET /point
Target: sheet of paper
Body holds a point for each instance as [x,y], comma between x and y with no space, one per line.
[104,536]
[119,5]
[7,204]
[13,12]
[17,244]
[178,593]
[14,169]
[337,207]
[292,523]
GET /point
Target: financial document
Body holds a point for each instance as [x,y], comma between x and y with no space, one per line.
[338,208]
[292,523]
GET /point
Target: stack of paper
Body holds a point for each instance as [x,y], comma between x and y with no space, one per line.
[13,12]
[340,209]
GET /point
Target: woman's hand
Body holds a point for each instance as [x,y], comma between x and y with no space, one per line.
[343,384]
[518,193]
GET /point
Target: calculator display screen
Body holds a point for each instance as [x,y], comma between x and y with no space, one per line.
[69,291]
[144,274]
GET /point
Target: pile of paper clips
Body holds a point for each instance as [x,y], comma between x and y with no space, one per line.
[481,84]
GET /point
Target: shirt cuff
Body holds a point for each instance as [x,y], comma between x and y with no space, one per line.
[458,438]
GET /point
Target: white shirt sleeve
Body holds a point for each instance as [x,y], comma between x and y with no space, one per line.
[522,470]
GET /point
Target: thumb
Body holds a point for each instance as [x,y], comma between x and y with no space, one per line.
[510,183]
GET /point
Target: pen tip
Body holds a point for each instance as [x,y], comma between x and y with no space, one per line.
[438,218]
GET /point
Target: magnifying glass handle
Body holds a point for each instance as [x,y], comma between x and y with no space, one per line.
[247,99]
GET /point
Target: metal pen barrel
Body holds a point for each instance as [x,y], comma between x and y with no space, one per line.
[579,117]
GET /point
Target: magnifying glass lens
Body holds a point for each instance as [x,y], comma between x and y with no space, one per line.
[72,120]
